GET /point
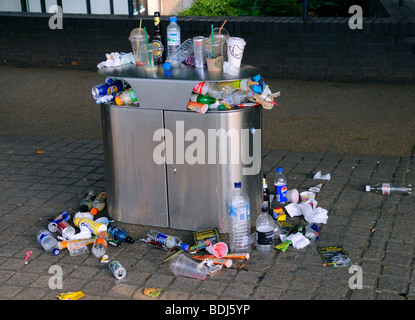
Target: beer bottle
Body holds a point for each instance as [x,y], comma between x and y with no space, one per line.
[158,39]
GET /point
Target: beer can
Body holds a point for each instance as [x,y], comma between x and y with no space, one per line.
[117,270]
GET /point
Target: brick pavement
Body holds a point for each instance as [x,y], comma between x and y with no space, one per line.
[376,231]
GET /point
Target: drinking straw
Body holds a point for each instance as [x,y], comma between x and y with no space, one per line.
[213,42]
[148,47]
[220,29]
[139,34]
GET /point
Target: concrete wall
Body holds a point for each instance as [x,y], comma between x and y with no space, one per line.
[281,46]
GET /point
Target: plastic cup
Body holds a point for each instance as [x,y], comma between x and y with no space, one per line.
[183,266]
[213,54]
[148,57]
[138,40]
[307,196]
[219,249]
[293,196]
[236,48]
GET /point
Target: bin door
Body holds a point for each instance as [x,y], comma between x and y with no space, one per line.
[136,184]
[208,153]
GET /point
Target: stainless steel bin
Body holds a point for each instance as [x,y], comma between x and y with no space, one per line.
[170,167]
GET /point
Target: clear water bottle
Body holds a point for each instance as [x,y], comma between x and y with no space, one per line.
[86,202]
[48,242]
[173,36]
[99,203]
[280,185]
[120,235]
[239,220]
[265,232]
[175,58]
[389,188]
[100,244]
[167,240]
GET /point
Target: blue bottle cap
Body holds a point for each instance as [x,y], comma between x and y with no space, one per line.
[55,251]
[166,66]
[173,19]
[279,170]
[184,247]
[237,184]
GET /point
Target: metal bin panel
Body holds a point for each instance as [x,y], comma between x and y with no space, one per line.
[136,185]
[197,193]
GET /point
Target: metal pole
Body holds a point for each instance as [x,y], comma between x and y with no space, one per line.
[130,8]
[305,10]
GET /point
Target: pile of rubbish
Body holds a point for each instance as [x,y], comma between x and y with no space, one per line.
[158,56]
[205,96]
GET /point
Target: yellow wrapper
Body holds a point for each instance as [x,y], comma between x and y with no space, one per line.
[70,295]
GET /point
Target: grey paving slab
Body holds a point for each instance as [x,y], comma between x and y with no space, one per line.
[376,231]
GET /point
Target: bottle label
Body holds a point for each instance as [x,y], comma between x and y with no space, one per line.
[239,213]
[162,238]
[281,193]
[173,39]
[265,238]
[198,88]
[386,189]
[160,48]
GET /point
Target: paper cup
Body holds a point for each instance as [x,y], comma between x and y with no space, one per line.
[236,48]
[292,195]
[183,266]
[307,196]
[219,249]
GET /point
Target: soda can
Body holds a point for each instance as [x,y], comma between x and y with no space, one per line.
[109,87]
[117,270]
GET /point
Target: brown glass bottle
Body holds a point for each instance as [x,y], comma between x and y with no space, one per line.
[158,39]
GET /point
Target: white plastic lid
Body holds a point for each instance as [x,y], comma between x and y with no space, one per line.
[367,188]
[236,41]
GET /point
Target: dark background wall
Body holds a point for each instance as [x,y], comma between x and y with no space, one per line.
[281,46]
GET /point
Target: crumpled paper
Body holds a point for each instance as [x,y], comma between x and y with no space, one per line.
[319,176]
[115,59]
[230,69]
[309,210]
[298,240]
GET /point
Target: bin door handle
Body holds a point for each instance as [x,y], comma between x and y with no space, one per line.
[173,170]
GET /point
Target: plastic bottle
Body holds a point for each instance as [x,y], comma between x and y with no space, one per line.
[265,232]
[175,58]
[239,220]
[120,235]
[125,98]
[48,242]
[390,188]
[100,245]
[86,202]
[195,97]
[280,184]
[166,240]
[64,244]
[235,99]
[99,203]
[53,225]
[173,37]
[211,89]
[89,225]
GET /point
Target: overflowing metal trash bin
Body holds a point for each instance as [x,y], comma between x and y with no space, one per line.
[168,166]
